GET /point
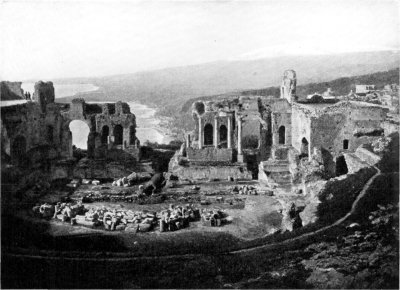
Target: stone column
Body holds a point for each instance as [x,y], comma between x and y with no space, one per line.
[109,142]
[187,140]
[229,132]
[239,147]
[216,132]
[200,134]
[274,128]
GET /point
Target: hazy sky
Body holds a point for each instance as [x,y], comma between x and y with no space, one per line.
[43,39]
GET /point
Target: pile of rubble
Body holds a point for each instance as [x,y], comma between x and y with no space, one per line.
[214,217]
[250,190]
[62,211]
[132,179]
[178,217]
[172,219]
[138,198]
[77,182]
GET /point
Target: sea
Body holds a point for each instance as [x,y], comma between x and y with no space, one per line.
[147,125]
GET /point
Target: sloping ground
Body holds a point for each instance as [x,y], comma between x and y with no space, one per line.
[333,254]
[288,260]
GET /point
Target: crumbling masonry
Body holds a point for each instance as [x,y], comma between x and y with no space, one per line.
[233,136]
[37,132]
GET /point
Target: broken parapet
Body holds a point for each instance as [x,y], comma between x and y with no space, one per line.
[44,94]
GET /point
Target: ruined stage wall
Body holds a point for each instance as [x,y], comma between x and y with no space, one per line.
[209,154]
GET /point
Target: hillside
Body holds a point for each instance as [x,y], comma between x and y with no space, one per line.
[340,86]
[171,87]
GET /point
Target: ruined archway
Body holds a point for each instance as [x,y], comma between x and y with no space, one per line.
[105,132]
[304,147]
[80,133]
[208,134]
[223,136]
[18,150]
[118,134]
[341,166]
[281,132]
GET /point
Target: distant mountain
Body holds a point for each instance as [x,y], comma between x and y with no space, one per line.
[340,86]
[171,87]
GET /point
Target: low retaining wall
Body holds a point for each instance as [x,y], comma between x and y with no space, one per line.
[212,172]
[209,154]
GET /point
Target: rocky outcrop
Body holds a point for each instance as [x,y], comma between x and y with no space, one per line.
[11,91]
[329,200]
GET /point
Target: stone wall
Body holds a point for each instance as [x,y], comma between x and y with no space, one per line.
[44,94]
[328,126]
[212,172]
[36,134]
[27,133]
[209,154]
[301,128]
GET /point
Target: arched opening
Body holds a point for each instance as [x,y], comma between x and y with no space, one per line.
[223,136]
[118,135]
[345,144]
[250,142]
[281,135]
[341,166]
[50,133]
[80,132]
[18,150]
[208,134]
[132,135]
[304,148]
[105,132]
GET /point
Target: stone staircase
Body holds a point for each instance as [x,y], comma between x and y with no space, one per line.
[275,172]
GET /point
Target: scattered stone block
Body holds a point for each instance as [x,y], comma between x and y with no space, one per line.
[144,227]
[132,228]
[95,182]
[86,181]
[120,227]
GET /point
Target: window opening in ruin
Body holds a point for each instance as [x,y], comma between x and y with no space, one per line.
[304,148]
[250,142]
[281,135]
[208,134]
[341,166]
[80,133]
[18,150]
[345,144]
[223,136]
[132,135]
[105,132]
[118,135]
[50,133]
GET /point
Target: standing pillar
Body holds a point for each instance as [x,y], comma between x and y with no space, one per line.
[216,133]
[239,147]
[109,142]
[229,132]
[200,134]
[187,140]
